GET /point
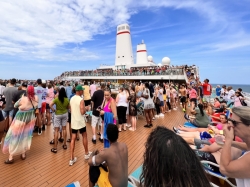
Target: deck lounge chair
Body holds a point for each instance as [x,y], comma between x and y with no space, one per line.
[133,179]
[216,174]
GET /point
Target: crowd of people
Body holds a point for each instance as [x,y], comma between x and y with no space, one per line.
[133,71]
[218,137]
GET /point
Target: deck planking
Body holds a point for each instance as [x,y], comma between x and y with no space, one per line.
[44,168]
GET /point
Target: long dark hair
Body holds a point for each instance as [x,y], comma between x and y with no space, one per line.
[62,95]
[200,106]
[169,161]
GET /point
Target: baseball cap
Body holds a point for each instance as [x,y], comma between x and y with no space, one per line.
[79,88]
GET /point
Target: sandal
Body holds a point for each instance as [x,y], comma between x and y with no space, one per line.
[147,126]
[61,140]
[69,140]
[23,158]
[64,146]
[99,133]
[9,161]
[52,142]
[78,139]
[53,150]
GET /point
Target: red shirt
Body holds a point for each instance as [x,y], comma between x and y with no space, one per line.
[207,89]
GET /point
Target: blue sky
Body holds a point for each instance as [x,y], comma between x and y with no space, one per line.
[42,39]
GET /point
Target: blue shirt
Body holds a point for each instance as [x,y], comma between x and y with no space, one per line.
[68,91]
[218,90]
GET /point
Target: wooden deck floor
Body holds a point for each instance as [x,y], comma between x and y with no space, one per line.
[43,168]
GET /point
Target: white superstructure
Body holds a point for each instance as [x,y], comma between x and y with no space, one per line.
[124,53]
[141,54]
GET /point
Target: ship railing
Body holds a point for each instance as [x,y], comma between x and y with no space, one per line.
[175,71]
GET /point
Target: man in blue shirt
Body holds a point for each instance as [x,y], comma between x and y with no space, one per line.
[218,90]
[68,90]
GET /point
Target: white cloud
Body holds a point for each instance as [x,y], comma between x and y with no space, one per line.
[41,29]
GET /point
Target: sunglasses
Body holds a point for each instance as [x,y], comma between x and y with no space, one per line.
[235,123]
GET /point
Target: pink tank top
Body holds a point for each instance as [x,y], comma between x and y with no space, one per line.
[106,109]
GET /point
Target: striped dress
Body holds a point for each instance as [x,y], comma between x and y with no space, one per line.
[19,136]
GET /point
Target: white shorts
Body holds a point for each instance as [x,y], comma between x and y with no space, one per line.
[96,120]
[207,98]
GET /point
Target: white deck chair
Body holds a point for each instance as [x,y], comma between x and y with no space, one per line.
[216,174]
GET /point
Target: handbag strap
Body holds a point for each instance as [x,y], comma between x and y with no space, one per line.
[32,103]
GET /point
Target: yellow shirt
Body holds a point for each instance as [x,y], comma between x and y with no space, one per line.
[86,93]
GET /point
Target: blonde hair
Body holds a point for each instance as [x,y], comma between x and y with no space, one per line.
[243,113]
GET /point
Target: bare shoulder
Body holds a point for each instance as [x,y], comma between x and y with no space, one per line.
[123,145]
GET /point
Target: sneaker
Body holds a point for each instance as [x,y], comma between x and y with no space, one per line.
[35,129]
[174,108]
[87,156]
[156,116]
[186,117]
[94,141]
[128,125]
[71,162]
[153,118]
[161,115]
[183,110]
[39,131]
[147,126]
[43,128]
[176,130]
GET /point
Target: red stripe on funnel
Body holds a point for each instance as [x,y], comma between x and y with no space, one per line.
[141,51]
[124,32]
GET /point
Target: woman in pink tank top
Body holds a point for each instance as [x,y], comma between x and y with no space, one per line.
[109,104]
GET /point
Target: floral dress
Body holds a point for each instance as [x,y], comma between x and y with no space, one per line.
[132,105]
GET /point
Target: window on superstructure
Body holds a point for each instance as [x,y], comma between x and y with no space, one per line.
[123,27]
[127,27]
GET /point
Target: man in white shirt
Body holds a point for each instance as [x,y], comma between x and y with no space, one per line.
[78,123]
[231,96]
[92,88]
[2,87]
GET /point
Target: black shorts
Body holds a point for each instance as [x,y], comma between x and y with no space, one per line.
[82,130]
[69,117]
[47,106]
[193,100]
[87,102]
[208,157]
[183,99]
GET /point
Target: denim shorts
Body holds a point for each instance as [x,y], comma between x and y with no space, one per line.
[60,120]
[8,113]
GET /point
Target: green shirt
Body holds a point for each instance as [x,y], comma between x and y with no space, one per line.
[61,108]
[203,121]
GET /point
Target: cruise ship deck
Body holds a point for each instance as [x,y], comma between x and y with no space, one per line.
[44,168]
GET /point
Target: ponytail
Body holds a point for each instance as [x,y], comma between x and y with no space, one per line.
[200,106]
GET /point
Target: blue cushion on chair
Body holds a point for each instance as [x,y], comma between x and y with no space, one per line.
[137,173]
[190,125]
